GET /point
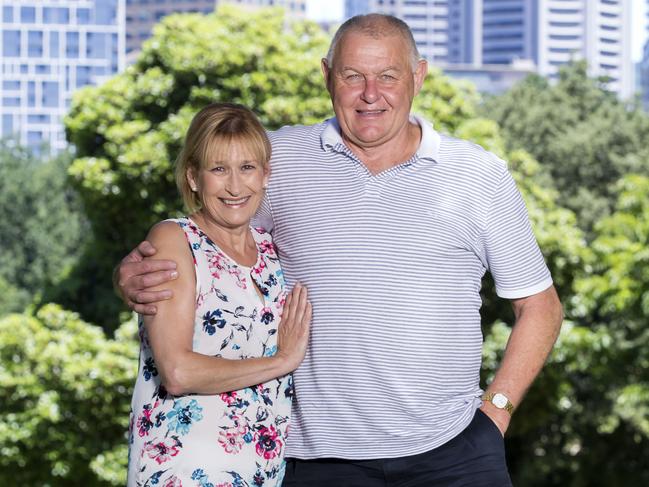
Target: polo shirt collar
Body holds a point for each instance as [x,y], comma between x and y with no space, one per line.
[331,139]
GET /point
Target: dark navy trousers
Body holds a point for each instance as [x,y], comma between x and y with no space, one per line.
[474,458]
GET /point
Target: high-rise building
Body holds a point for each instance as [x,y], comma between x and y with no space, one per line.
[142,15]
[428,22]
[644,68]
[550,33]
[49,50]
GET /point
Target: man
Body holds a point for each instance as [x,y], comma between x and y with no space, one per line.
[391,226]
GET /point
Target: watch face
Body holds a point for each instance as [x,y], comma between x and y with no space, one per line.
[499,400]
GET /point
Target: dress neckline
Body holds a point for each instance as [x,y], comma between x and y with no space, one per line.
[230,260]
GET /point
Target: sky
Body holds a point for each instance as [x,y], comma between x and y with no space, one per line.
[334,10]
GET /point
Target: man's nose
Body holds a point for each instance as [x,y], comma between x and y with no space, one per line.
[370,91]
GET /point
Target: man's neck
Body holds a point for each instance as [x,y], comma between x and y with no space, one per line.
[384,156]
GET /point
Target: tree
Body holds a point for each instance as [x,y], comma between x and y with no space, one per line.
[42,225]
[580,132]
[584,422]
[64,400]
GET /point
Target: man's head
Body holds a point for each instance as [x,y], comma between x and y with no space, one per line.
[373,71]
[376,26]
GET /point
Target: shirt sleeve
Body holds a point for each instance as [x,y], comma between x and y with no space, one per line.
[512,253]
[264,216]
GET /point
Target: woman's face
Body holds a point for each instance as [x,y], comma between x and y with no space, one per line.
[231,187]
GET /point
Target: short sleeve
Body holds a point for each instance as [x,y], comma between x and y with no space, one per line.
[512,253]
[264,216]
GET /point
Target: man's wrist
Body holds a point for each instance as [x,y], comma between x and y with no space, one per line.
[499,400]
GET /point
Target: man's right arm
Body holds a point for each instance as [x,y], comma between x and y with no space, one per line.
[134,277]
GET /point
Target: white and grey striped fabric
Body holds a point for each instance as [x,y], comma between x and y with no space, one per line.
[393,263]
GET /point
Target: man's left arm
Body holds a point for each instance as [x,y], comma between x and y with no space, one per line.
[537,325]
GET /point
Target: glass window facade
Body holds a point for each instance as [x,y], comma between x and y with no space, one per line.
[48,49]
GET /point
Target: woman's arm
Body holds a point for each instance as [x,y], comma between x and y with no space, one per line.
[170,331]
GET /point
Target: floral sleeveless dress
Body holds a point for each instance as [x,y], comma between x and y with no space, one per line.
[234,439]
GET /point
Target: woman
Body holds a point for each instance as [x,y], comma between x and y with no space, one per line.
[212,399]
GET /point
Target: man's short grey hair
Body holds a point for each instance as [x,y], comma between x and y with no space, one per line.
[376,26]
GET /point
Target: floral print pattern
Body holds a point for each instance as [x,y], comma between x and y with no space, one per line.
[232,439]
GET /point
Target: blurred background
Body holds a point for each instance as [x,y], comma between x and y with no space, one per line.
[96,96]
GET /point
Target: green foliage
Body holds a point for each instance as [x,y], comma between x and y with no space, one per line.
[64,400]
[575,427]
[582,133]
[41,225]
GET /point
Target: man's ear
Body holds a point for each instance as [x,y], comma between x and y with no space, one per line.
[420,74]
[326,73]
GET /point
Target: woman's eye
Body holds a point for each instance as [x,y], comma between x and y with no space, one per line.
[217,169]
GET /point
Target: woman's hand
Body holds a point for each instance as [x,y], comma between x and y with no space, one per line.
[293,330]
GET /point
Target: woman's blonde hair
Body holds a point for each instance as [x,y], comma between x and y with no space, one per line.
[211,133]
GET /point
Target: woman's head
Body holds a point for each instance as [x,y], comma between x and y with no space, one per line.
[216,134]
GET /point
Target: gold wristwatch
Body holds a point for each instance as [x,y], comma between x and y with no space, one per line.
[499,400]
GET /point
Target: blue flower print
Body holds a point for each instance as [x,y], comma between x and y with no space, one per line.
[270,351]
[201,477]
[211,321]
[149,370]
[237,481]
[258,480]
[183,415]
[271,281]
[267,316]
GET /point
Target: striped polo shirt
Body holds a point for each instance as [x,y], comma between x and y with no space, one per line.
[393,263]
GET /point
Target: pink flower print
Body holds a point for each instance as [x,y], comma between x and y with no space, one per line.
[144,423]
[268,443]
[215,263]
[173,481]
[267,247]
[229,397]
[241,281]
[162,451]
[258,269]
[231,441]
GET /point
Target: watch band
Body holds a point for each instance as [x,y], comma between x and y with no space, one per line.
[499,400]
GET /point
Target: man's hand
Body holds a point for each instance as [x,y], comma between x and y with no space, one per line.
[134,277]
[500,417]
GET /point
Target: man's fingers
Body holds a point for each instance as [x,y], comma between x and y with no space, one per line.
[146,249]
[143,309]
[146,297]
[145,274]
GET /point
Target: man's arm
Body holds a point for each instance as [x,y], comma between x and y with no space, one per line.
[537,325]
[134,277]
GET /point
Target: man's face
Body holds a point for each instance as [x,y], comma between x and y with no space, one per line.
[372,85]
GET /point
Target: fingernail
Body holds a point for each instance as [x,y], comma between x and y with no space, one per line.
[174,274]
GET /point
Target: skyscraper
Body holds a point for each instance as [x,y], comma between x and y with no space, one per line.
[49,50]
[644,67]
[549,33]
[142,15]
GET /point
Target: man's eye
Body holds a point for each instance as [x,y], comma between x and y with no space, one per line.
[387,77]
[353,77]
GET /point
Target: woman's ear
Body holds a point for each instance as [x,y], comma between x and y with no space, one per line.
[191,180]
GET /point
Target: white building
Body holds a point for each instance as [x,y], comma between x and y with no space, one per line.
[142,15]
[644,69]
[49,50]
[549,33]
